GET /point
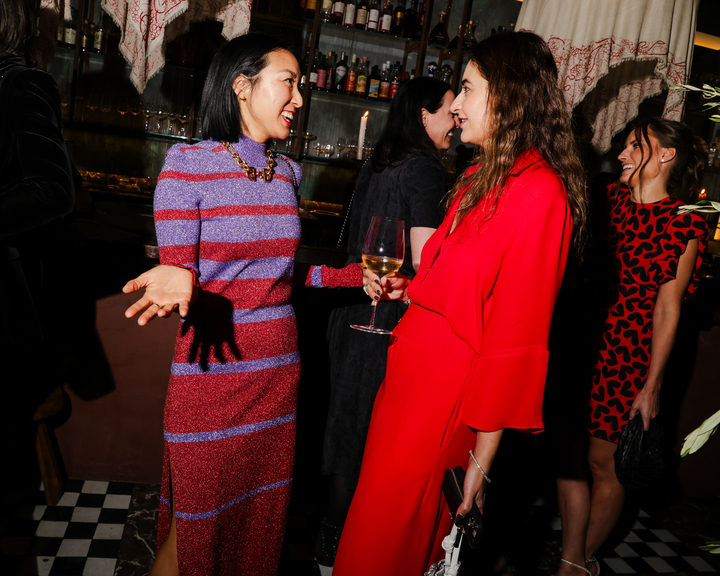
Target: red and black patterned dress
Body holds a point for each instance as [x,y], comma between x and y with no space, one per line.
[639,248]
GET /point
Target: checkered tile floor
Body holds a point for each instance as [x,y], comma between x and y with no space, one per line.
[82,536]
[649,548]
[79,537]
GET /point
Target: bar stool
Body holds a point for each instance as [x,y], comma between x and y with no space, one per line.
[48,459]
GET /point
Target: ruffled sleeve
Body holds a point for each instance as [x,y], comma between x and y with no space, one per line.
[680,230]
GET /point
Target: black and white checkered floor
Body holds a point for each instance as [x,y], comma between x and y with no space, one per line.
[81,536]
[106,529]
[650,548]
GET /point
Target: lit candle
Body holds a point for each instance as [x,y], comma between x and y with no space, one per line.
[702,195]
[361,136]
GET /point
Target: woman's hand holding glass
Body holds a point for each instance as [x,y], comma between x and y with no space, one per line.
[167,289]
[391,287]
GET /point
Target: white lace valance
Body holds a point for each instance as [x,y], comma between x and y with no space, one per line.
[615,53]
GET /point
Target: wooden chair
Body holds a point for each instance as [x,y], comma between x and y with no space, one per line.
[47,457]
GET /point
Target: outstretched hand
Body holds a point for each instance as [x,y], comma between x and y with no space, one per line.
[167,289]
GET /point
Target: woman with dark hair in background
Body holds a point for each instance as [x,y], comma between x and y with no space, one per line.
[37,186]
[647,256]
[469,357]
[226,218]
[404,179]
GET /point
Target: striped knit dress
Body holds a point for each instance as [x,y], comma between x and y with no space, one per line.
[230,408]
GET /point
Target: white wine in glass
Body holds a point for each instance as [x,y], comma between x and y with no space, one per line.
[383,253]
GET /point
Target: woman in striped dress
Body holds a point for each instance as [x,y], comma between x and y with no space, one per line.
[227,222]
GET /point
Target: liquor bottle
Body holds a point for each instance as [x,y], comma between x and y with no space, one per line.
[341,71]
[373,16]
[322,73]
[398,23]
[310,7]
[352,74]
[361,14]
[99,39]
[330,72]
[326,11]
[395,82]
[350,10]
[439,35]
[362,79]
[338,12]
[71,31]
[411,20]
[469,38]
[373,90]
[314,71]
[385,82]
[387,17]
[83,35]
[420,19]
[455,41]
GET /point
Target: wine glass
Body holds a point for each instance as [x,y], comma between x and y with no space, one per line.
[340,145]
[329,150]
[318,148]
[383,253]
[352,147]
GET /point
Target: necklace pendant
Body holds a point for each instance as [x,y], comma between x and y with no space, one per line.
[251,174]
[268,174]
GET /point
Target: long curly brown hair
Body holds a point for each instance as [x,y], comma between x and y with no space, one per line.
[526,110]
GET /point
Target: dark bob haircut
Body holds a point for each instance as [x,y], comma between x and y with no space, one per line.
[16,28]
[404,134]
[243,56]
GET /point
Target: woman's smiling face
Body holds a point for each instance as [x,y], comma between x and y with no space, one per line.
[472,106]
[268,107]
[441,125]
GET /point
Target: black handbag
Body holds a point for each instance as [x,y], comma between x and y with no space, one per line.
[638,458]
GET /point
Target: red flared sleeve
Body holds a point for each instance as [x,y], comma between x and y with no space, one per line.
[508,377]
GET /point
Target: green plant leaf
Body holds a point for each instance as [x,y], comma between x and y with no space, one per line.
[697,438]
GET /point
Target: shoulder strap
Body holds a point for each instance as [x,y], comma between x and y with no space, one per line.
[292,170]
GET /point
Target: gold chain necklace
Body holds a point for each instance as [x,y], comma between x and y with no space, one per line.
[251,172]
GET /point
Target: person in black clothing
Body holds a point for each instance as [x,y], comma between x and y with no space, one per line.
[403,179]
[37,186]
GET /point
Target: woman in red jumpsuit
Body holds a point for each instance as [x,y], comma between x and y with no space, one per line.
[469,357]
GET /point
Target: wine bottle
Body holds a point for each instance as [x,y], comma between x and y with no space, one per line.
[387,17]
[338,12]
[469,37]
[362,79]
[420,19]
[71,31]
[373,16]
[341,74]
[326,11]
[350,10]
[352,73]
[374,84]
[314,71]
[398,23]
[322,73]
[85,42]
[395,82]
[99,39]
[310,7]
[411,20]
[439,35]
[361,14]
[330,72]
[385,82]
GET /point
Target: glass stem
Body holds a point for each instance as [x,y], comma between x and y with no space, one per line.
[372,318]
